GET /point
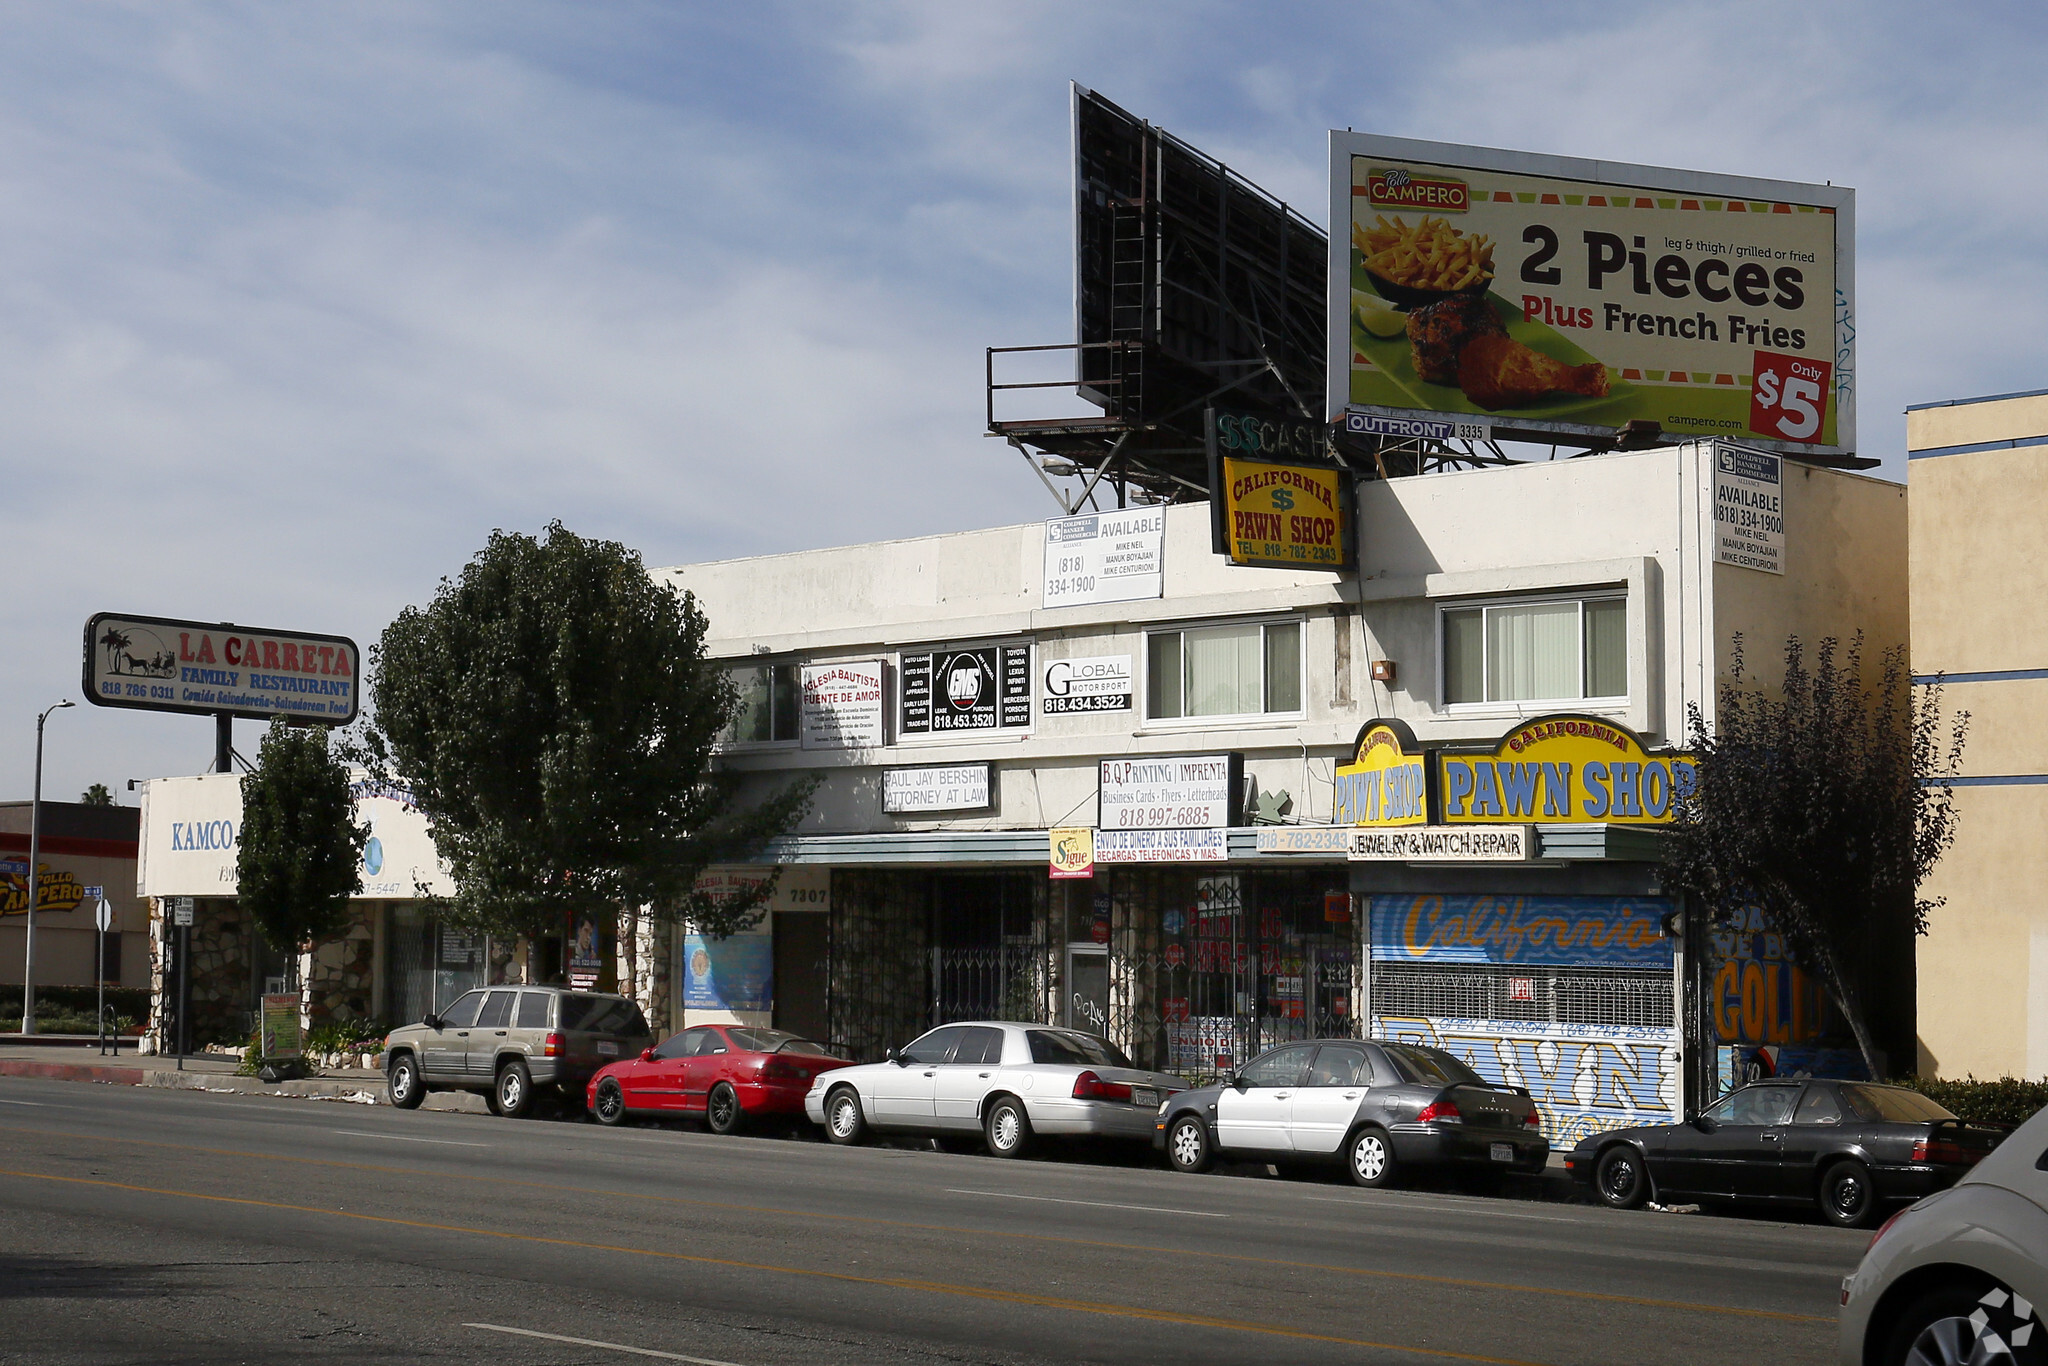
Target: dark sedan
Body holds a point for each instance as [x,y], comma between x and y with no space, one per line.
[1847,1147]
[1377,1108]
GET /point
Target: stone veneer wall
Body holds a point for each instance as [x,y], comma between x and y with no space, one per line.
[643,963]
[221,943]
[340,976]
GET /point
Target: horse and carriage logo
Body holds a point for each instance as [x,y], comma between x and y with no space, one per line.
[133,651]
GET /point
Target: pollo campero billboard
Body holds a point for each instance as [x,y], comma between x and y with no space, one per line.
[1556,298]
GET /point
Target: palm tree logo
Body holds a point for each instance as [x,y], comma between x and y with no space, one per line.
[115,643]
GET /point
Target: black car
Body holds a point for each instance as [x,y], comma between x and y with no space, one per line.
[1378,1108]
[1847,1147]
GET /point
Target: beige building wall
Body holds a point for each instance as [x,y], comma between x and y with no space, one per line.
[1978,469]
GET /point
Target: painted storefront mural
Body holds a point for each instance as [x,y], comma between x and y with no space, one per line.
[1583,1078]
[1533,931]
[1771,1016]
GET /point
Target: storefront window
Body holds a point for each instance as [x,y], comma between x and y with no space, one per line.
[769,695]
[1551,650]
[1237,670]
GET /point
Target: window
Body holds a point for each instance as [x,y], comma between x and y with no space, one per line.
[601,1015]
[683,1045]
[1281,1067]
[1818,1106]
[1755,1105]
[1429,1066]
[1070,1047]
[1892,1104]
[768,704]
[462,1014]
[935,1047]
[1553,650]
[1237,670]
[497,1011]
[979,1046]
[1339,1065]
[533,1009]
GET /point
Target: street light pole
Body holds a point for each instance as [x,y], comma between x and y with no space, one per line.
[35,850]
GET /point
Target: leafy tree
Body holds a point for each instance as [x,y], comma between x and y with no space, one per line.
[554,714]
[1824,803]
[96,795]
[300,854]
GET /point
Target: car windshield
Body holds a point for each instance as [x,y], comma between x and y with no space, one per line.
[1074,1048]
[1892,1104]
[1430,1065]
[601,1015]
[775,1041]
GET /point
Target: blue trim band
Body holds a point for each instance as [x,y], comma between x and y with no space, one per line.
[2004,780]
[1987,676]
[2013,444]
[1965,402]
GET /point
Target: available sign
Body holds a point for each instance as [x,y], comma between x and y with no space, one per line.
[953,787]
[1282,516]
[984,688]
[1169,793]
[1749,509]
[160,664]
[1574,297]
[1105,557]
[1096,683]
[842,705]
[1162,846]
[1564,768]
[1443,844]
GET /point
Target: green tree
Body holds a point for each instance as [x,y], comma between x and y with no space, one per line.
[553,712]
[1823,802]
[96,795]
[300,853]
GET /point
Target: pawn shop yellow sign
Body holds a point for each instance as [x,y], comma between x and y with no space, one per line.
[1384,784]
[1564,769]
[1283,516]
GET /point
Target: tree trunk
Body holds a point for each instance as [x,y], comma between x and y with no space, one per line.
[1851,1003]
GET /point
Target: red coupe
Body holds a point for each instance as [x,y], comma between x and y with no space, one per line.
[727,1075]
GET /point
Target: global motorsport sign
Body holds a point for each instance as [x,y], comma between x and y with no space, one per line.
[159,664]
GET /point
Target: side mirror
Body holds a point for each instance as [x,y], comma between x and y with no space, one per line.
[1235,1081]
[894,1055]
[432,1021]
[647,1055]
[1705,1124]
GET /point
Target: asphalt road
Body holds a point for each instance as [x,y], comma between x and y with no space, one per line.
[162,1226]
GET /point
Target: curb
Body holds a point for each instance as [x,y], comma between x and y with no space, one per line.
[69,1071]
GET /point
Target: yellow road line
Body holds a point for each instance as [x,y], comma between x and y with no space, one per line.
[1015,1297]
[1420,1278]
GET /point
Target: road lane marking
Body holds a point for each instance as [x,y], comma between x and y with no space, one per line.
[408,1138]
[1092,1204]
[1421,1278]
[607,1346]
[1017,1297]
[1445,1209]
[38,1104]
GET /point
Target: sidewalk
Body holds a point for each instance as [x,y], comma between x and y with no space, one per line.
[53,1061]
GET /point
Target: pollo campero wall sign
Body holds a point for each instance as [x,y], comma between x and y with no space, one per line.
[1570,298]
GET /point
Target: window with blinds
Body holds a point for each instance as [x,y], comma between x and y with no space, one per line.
[1557,649]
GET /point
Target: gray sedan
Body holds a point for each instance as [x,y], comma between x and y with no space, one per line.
[1377,1108]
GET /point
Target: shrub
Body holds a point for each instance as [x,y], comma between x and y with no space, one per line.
[2009,1100]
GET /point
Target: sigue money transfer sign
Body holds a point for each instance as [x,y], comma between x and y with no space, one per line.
[1567,298]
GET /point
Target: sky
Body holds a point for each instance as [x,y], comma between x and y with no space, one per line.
[298,303]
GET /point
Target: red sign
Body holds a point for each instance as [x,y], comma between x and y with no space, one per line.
[1402,189]
[1521,989]
[1175,955]
[1336,908]
[1174,1009]
[1788,400]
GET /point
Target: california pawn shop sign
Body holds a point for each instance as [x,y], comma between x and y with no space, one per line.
[1565,769]
[1385,784]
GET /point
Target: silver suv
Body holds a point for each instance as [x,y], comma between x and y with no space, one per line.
[510,1043]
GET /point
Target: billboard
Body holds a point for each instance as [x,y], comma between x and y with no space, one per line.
[1564,768]
[1560,298]
[944,692]
[212,668]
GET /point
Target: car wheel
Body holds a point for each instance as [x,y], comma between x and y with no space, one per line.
[722,1112]
[403,1085]
[1620,1178]
[1962,1324]
[1007,1128]
[513,1095]
[1369,1157]
[1187,1144]
[844,1122]
[1847,1199]
[610,1103]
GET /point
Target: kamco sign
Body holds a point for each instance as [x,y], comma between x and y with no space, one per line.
[158,664]
[1566,769]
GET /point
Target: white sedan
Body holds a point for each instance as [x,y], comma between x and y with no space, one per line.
[1006,1082]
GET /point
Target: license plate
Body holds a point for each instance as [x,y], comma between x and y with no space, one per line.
[607,1050]
[1144,1095]
[1502,1152]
